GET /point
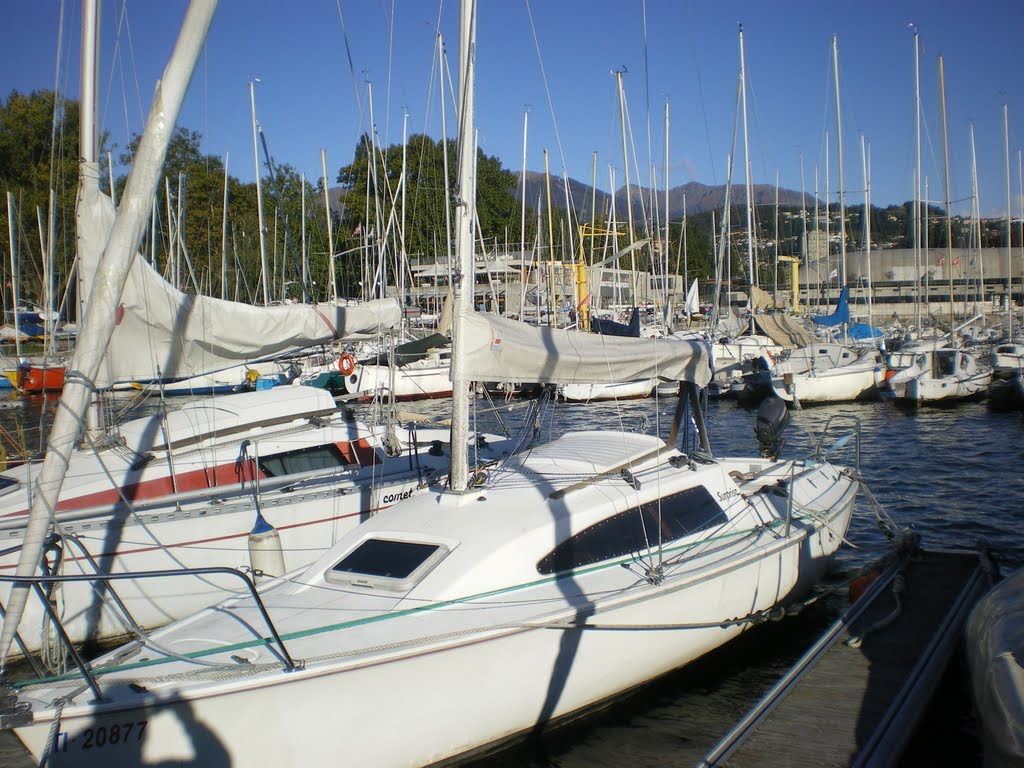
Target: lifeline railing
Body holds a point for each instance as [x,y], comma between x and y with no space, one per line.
[36,583]
[821,452]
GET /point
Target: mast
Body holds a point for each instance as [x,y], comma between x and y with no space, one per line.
[463,284]
[842,188]
[668,295]
[332,285]
[522,224]
[625,170]
[14,272]
[98,323]
[751,273]
[224,236]
[949,222]
[259,194]
[553,316]
[1009,223]
[918,240]
[976,226]
[865,154]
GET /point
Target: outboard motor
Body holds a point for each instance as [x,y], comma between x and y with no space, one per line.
[772,418]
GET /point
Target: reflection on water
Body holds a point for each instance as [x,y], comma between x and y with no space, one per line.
[952,474]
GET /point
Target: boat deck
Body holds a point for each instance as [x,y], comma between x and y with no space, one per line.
[842,705]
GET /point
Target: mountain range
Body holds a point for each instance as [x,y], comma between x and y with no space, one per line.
[699,198]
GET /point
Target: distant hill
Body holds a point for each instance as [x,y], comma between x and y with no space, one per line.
[700,198]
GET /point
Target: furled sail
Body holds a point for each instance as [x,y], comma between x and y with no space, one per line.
[499,349]
[162,333]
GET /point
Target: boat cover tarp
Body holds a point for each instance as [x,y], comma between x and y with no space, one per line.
[165,334]
[411,351]
[499,349]
[840,315]
[994,639]
[862,331]
[612,328]
[784,330]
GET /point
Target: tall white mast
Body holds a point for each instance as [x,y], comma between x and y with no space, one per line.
[332,286]
[842,188]
[866,161]
[1009,223]
[976,215]
[918,240]
[98,324]
[223,239]
[751,272]
[463,283]
[259,194]
[949,222]
[522,224]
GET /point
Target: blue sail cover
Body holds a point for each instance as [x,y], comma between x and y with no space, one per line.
[861,331]
[841,314]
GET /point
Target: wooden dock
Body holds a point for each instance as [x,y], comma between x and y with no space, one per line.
[854,698]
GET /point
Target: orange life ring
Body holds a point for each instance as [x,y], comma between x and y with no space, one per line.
[346,364]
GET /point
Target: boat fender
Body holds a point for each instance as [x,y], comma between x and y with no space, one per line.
[860,584]
[266,558]
[346,364]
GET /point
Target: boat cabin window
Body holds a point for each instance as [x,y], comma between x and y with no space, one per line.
[387,563]
[678,515]
[7,483]
[311,459]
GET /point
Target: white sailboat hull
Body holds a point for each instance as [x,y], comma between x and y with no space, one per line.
[412,382]
[626,390]
[457,677]
[286,453]
[831,386]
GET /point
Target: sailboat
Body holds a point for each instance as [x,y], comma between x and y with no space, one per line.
[941,375]
[486,608]
[283,470]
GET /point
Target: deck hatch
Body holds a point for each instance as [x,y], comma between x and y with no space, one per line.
[387,563]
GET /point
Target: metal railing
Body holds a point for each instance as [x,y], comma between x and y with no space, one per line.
[37,582]
[821,451]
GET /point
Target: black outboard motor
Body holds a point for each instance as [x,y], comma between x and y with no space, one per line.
[772,418]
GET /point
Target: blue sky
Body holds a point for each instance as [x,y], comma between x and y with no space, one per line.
[306,97]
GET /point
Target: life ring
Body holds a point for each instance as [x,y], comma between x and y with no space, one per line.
[346,364]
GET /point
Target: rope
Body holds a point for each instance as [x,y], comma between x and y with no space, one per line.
[52,653]
[51,739]
[899,586]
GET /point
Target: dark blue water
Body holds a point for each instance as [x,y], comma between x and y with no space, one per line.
[951,474]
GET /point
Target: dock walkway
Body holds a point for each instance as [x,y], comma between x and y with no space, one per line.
[856,703]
